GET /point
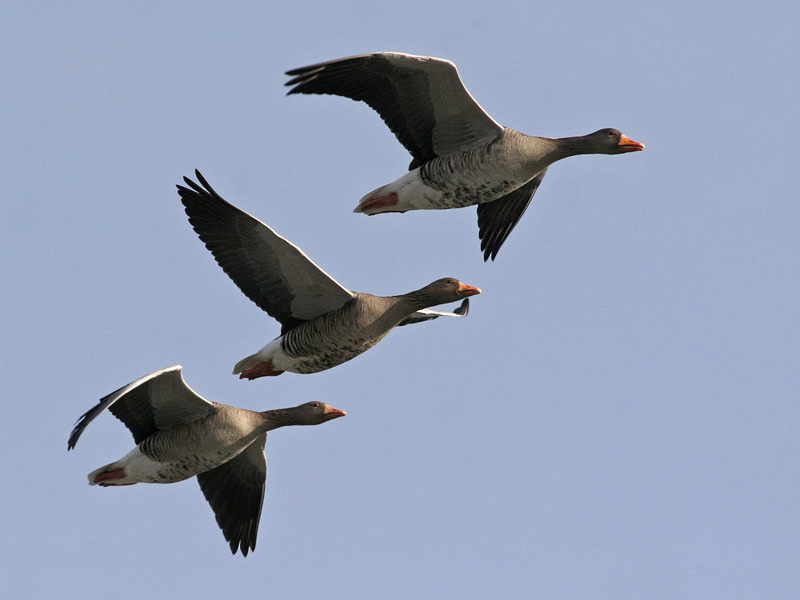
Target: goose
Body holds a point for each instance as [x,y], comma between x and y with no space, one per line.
[323,324]
[461,155]
[179,434]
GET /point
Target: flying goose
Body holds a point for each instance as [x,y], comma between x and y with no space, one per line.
[461,156]
[179,434]
[323,324]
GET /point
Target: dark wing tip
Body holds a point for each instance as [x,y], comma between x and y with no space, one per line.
[298,72]
[490,251]
[490,245]
[75,434]
[87,418]
[242,543]
[493,231]
[496,219]
[242,536]
[302,76]
[463,310]
[235,491]
[206,188]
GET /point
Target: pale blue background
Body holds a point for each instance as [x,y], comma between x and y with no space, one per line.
[616,419]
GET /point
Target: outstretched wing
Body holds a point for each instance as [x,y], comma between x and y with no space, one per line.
[420,98]
[497,218]
[235,491]
[426,314]
[160,400]
[270,270]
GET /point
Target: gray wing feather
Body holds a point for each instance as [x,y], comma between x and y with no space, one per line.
[269,269]
[426,314]
[420,98]
[235,491]
[497,218]
[158,401]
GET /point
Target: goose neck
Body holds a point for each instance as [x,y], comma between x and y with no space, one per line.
[572,146]
[279,417]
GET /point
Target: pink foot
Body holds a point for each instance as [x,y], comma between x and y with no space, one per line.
[262,369]
[380,202]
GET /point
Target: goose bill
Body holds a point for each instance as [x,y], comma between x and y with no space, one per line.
[332,413]
[468,290]
[626,143]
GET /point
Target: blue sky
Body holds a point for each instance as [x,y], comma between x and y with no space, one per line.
[616,418]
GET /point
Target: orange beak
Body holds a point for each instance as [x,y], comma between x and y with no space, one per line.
[332,413]
[467,290]
[628,145]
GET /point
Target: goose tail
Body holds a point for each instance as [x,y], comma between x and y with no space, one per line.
[111,474]
[248,362]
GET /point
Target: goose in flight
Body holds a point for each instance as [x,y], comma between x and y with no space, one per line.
[323,324]
[461,155]
[179,434]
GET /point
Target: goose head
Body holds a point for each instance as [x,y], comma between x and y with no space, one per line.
[313,413]
[611,141]
[447,289]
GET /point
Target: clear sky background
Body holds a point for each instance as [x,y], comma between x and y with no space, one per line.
[618,416]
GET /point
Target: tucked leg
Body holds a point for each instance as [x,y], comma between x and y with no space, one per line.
[262,369]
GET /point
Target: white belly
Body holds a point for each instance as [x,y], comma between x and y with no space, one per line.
[452,181]
[139,468]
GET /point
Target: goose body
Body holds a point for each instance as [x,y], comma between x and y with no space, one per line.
[479,174]
[323,323]
[179,435]
[332,338]
[186,449]
[461,156]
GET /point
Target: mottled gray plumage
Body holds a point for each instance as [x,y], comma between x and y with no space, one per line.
[179,435]
[465,157]
[323,324]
